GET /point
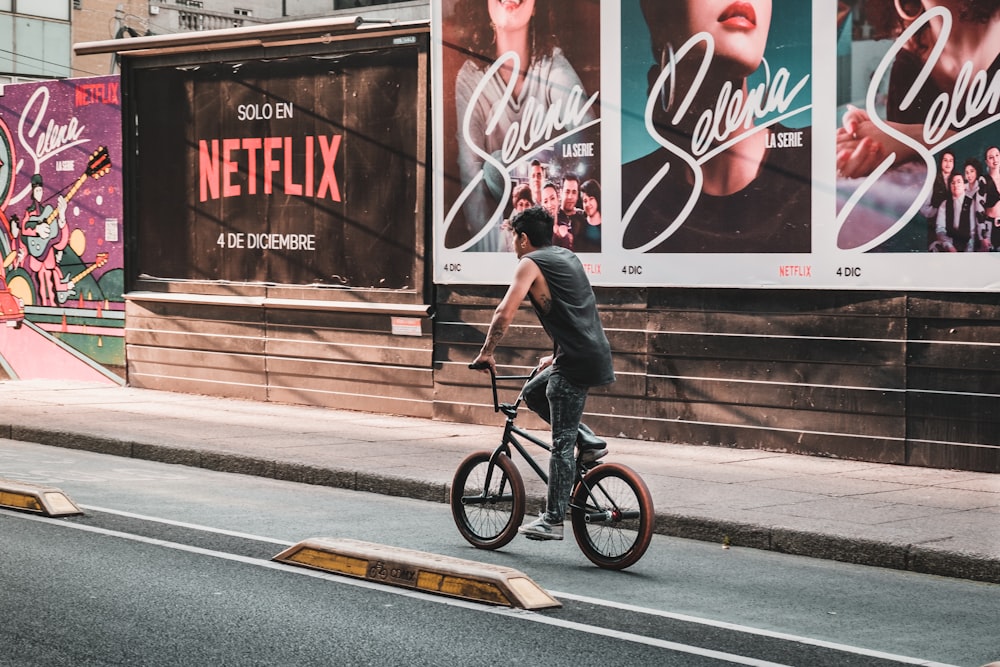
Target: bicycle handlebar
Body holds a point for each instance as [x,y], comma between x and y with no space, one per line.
[482,365]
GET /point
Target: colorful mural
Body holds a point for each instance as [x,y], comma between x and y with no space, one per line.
[62,285]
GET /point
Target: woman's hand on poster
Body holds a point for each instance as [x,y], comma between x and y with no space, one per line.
[862,145]
[859,145]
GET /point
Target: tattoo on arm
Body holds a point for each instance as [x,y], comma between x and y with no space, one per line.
[492,339]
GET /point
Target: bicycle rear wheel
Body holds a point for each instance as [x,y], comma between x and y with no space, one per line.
[487,500]
[612,515]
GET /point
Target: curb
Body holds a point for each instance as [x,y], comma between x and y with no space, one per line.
[872,553]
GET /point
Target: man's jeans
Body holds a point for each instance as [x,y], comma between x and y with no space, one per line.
[559,402]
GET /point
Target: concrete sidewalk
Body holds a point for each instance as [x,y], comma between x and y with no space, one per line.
[925,520]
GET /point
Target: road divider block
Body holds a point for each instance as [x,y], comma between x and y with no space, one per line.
[431,573]
[39,499]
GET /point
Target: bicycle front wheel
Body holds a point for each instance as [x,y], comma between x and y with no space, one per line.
[487,500]
[612,515]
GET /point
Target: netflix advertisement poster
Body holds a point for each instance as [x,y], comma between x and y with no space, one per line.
[298,171]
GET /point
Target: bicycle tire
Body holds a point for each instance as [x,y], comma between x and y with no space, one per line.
[612,514]
[488,517]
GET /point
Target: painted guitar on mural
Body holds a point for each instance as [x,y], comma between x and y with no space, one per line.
[63,295]
[98,165]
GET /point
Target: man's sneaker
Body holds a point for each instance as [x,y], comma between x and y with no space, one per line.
[591,455]
[590,447]
[540,529]
[586,439]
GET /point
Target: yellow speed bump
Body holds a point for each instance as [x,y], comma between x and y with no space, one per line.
[31,498]
[431,573]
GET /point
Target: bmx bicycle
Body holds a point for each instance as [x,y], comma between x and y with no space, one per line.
[610,507]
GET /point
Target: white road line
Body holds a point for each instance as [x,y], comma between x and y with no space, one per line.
[503,611]
[751,631]
[182,524]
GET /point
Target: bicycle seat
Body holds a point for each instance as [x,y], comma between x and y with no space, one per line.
[508,409]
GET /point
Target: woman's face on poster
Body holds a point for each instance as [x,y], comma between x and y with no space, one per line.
[510,14]
[589,205]
[970,173]
[993,157]
[550,200]
[947,163]
[738,27]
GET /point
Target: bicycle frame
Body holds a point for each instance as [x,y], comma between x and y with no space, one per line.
[511,430]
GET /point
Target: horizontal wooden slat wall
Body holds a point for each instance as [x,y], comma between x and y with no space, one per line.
[898,378]
[293,355]
[887,377]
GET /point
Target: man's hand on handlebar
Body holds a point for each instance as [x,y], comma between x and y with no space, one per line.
[484,363]
[544,362]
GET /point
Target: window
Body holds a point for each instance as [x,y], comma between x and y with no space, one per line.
[243,12]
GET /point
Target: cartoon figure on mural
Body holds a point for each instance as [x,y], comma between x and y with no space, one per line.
[46,239]
[922,106]
[522,114]
[731,171]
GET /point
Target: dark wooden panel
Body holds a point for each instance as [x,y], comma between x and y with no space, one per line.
[344,321]
[779,349]
[960,306]
[234,340]
[357,347]
[170,310]
[844,374]
[986,380]
[954,456]
[196,363]
[815,302]
[392,380]
[956,331]
[795,325]
[797,397]
[963,357]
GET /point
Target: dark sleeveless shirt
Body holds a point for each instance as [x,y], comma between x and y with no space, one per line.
[582,352]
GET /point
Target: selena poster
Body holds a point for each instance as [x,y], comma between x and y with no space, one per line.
[917,160]
[755,143]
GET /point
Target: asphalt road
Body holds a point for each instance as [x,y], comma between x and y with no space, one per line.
[171,565]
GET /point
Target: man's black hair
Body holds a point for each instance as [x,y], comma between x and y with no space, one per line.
[536,224]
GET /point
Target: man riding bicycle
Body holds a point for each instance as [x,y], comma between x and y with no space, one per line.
[554,280]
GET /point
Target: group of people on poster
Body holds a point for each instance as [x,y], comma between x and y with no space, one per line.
[963,213]
[575,208]
[727,112]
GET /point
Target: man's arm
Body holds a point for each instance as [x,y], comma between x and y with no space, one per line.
[524,277]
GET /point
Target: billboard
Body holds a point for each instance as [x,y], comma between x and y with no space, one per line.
[734,144]
[294,171]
